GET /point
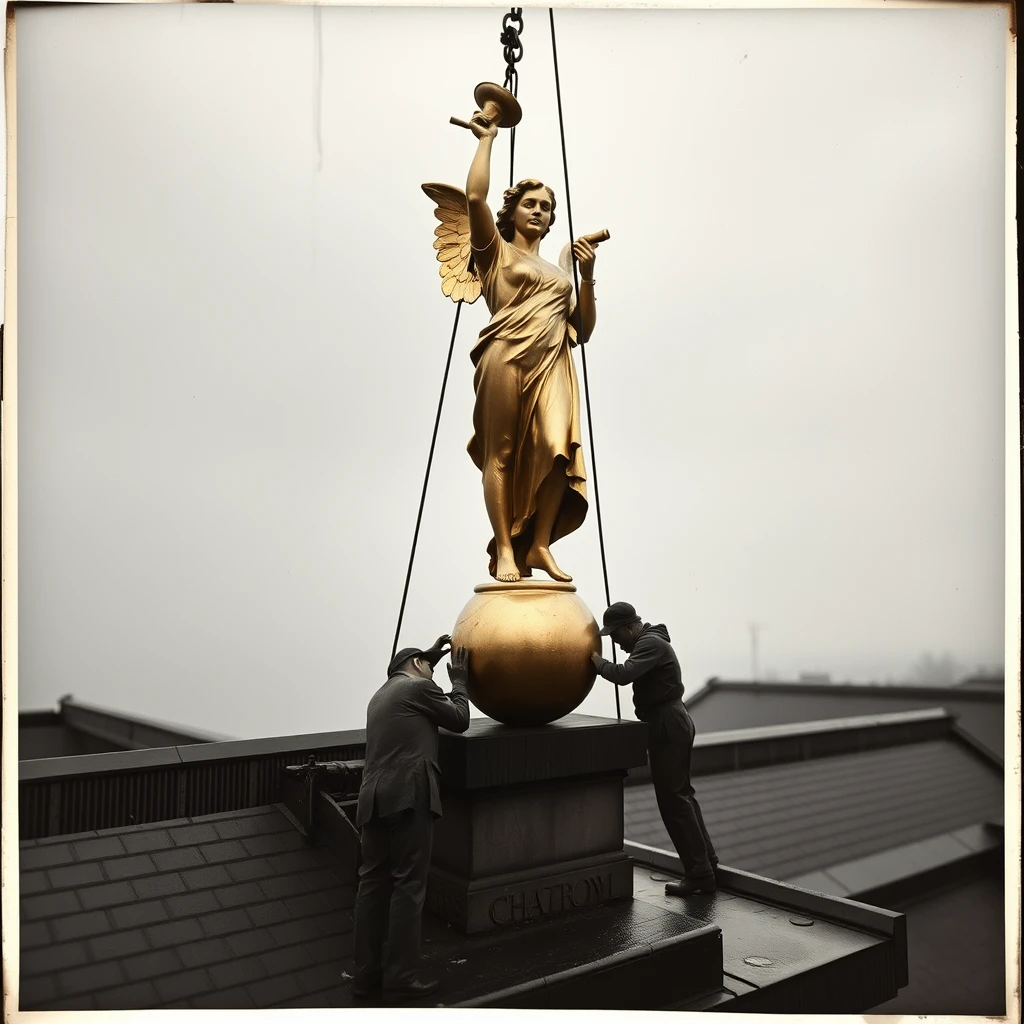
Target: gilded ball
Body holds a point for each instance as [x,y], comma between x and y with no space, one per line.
[529,649]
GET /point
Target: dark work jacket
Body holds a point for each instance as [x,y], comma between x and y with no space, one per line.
[401,770]
[652,668]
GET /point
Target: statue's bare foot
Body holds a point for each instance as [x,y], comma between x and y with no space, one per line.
[506,570]
[539,557]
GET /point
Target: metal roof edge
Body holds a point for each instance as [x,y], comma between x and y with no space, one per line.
[95,764]
[978,748]
[157,757]
[736,750]
[881,874]
[841,909]
[991,694]
[753,734]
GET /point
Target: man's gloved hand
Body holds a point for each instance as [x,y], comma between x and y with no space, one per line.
[458,670]
[598,661]
[443,641]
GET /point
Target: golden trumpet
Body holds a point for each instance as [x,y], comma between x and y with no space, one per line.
[497,105]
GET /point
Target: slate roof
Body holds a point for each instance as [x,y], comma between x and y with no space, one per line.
[723,704]
[225,910]
[786,820]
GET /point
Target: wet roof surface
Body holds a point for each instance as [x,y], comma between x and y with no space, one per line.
[235,910]
[786,820]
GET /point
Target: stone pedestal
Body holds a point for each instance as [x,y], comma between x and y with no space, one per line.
[532,824]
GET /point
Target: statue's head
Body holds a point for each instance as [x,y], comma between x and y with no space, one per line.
[528,197]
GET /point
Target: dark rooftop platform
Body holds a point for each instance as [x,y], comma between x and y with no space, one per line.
[236,911]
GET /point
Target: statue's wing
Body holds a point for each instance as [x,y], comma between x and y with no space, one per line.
[458,274]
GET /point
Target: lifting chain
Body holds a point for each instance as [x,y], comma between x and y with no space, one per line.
[511,26]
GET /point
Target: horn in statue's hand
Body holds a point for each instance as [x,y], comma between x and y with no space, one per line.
[497,106]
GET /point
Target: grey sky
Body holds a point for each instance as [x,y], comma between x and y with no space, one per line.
[231,339]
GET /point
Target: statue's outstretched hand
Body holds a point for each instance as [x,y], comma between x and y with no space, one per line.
[585,252]
[458,670]
[481,127]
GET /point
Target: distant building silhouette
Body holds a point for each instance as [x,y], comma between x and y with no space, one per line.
[742,704]
[77,728]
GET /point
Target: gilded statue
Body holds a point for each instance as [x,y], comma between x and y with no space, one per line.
[527,441]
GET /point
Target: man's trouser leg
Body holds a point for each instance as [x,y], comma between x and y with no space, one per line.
[708,845]
[373,902]
[670,746]
[411,838]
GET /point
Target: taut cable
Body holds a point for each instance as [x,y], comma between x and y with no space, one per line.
[582,347]
[426,476]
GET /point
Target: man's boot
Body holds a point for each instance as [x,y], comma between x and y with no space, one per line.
[691,885]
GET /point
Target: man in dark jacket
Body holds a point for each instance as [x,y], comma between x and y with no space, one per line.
[653,669]
[398,801]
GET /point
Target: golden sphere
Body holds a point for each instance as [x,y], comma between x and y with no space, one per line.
[529,649]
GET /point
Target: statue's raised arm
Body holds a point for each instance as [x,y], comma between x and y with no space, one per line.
[482,230]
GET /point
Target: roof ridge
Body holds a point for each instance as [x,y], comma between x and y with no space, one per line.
[981,692]
[821,726]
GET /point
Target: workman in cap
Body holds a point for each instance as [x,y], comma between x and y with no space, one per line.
[398,801]
[653,670]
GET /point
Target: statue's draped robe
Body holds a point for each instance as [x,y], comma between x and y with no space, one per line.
[526,389]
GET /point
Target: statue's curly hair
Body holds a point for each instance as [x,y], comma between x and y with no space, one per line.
[504,220]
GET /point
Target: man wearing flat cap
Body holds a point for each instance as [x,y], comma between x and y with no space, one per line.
[653,670]
[398,801]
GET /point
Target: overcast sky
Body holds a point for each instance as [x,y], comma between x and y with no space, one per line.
[232,337]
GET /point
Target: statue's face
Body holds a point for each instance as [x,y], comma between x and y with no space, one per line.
[533,214]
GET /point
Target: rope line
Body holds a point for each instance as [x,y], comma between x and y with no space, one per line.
[426,476]
[582,347]
[512,140]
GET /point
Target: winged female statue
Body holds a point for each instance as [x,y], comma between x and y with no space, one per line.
[527,440]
